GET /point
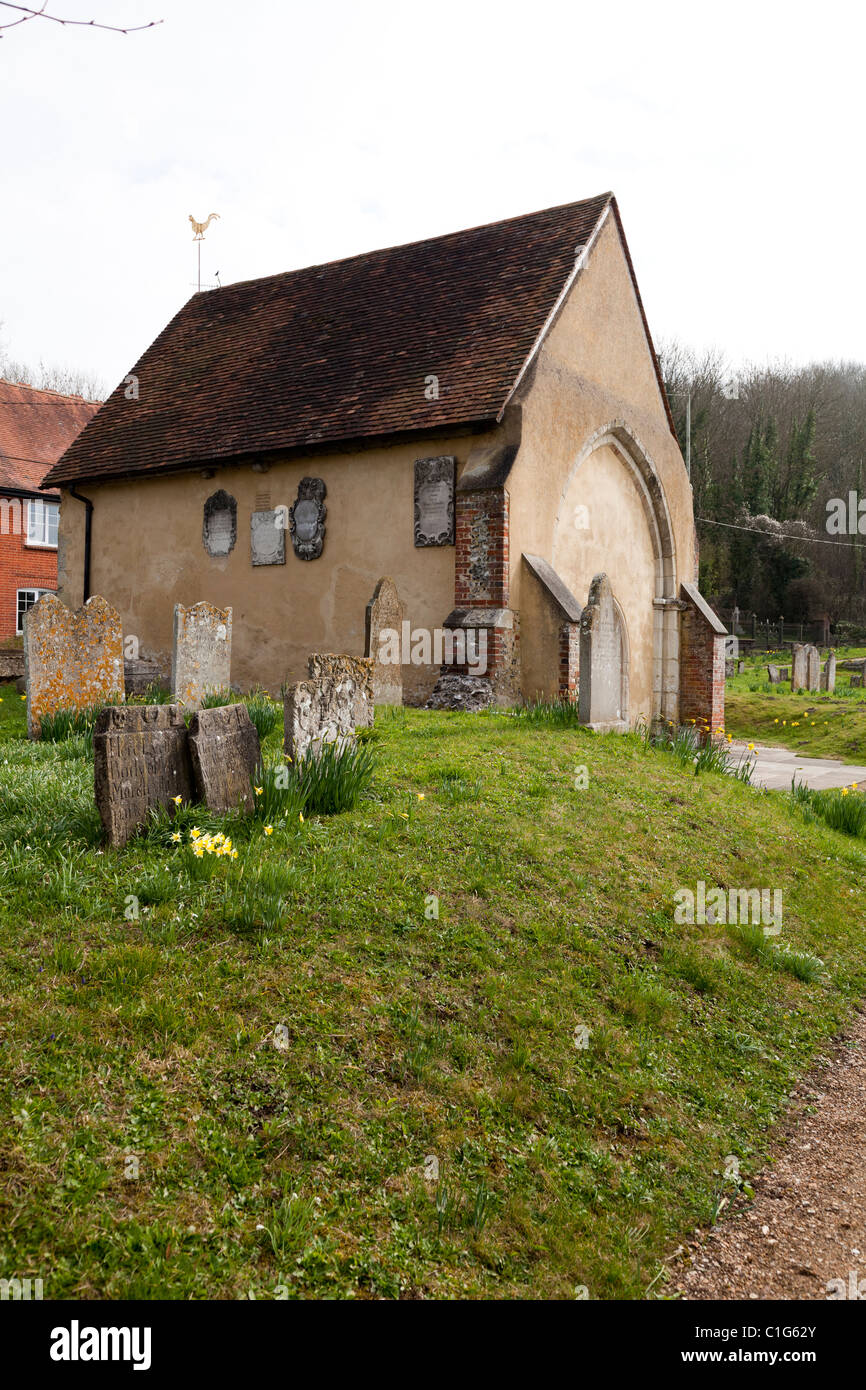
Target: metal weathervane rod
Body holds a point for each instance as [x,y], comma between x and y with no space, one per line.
[199,229]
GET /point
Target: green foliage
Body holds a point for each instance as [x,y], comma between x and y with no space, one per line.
[561,714]
[334,779]
[264,712]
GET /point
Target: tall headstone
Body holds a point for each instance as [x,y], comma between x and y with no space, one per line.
[384,620]
[201,655]
[72,660]
[354,670]
[140,761]
[813,668]
[603,691]
[828,675]
[225,752]
[799,668]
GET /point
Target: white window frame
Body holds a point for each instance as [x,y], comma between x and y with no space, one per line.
[39,512]
[19,614]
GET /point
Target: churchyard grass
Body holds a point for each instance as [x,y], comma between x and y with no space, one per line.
[814,723]
[451,1043]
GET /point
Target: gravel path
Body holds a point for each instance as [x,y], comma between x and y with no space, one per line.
[807,1224]
[775,767]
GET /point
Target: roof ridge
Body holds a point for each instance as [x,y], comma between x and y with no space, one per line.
[48,391]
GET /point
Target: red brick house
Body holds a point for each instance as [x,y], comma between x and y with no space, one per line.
[36,427]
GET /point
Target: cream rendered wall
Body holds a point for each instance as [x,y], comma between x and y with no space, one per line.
[147,554]
[594,368]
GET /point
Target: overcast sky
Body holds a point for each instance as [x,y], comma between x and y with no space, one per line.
[732,135]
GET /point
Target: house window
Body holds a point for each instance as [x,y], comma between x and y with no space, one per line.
[26,599]
[42,519]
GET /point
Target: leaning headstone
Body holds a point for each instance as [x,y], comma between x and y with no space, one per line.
[828,675]
[72,660]
[225,752]
[318,711]
[356,669]
[384,628]
[799,668]
[602,683]
[141,761]
[813,668]
[856,682]
[773,675]
[201,655]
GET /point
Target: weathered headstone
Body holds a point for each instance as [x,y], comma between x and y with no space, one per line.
[434,500]
[141,761]
[602,695]
[799,668]
[828,675]
[856,682]
[328,707]
[813,668]
[773,674]
[385,616]
[267,539]
[225,752]
[730,669]
[785,673]
[356,669]
[72,660]
[201,654]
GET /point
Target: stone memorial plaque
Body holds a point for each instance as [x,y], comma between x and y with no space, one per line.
[220,525]
[307,519]
[267,539]
[385,616]
[225,752]
[201,653]
[434,500]
[72,660]
[140,761]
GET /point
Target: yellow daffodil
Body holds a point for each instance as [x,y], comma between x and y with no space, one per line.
[176,837]
[177,800]
[269,830]
[301,817]
[234,854]
[420,796]
[844,791]
[194,833]
[258,790]
[751,747]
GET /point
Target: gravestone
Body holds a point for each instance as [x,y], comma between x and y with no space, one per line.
[813,668]
[730,669]
[773,675]
[828,675]
[434,500]
[385,615]
[358,670]
[602,696]
[267,539]
[140,762]
[325,708]
[201,654]
[785,673]
[225,752]
[799,668]
[72,660]
[856,682]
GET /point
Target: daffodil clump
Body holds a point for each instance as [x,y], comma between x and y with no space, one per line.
[202,843]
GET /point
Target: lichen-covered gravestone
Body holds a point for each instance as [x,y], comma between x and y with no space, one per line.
[813,668]
[141,761]
[358,670]
[828,675]
[384,627]
[225,752]
[329,706]
[72,660]
[773,674]
[602,696]
[201,655]
[799,667]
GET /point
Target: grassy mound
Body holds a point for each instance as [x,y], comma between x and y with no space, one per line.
[452,1043]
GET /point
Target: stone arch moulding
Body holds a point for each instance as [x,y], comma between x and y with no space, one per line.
[625,659]
[638,463]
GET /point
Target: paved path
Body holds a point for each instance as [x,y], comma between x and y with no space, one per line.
[807,1225]
[777,766]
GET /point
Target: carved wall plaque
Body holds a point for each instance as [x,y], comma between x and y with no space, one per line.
[307,519]
[434,500]
[220,526]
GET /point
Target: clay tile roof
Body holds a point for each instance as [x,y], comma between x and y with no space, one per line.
[339,353]
[35,429]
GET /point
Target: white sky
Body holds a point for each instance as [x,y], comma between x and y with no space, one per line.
[732,135]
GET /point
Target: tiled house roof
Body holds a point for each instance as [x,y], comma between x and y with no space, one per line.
[35,429]
[340,353]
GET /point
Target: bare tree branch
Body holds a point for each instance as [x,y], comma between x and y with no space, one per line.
[28,12]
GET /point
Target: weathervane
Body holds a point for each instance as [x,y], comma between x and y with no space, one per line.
[199,228]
